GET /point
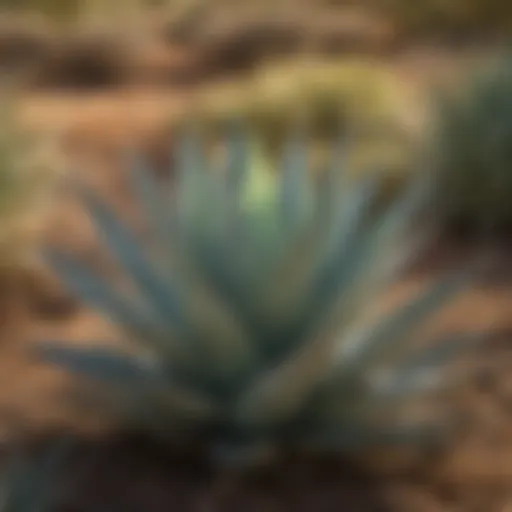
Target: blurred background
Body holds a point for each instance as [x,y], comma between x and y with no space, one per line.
[424,85]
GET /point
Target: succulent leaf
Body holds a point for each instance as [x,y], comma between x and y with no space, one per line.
[108,366]
[157,288]
[297,198]
[389,335]
[153,202]
[99,294]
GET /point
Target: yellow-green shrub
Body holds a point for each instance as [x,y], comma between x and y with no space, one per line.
[359,97]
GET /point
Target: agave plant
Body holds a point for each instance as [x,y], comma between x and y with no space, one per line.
[248,314]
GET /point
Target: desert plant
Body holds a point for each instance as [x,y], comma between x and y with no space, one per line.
[324,93]
[472,141]
[357,96]
[249,325]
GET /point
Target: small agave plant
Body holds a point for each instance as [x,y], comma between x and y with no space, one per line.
[249,314]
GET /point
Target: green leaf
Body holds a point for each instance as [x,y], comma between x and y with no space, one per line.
[153,201]
[100,364]
[279,393]
[238,153]
[367,258]
[297,199]
[158,290]
[99,294]
[145,388]
[425,370]
[260,194]
[228,347]
[343,254]
[306,271]
[367,345]
[192,169]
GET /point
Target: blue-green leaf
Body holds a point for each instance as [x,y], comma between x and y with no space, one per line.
[425,370]
[100,364]
[297,199]
[159,290]
[154,203]
[192,168]
[238,156]
[95,292]
[391,333]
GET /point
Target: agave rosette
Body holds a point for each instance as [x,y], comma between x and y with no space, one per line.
[250,315]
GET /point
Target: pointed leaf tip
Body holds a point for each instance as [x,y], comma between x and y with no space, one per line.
[101,364]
